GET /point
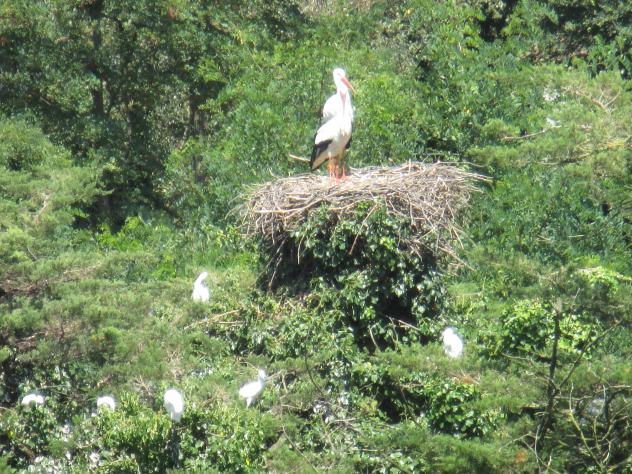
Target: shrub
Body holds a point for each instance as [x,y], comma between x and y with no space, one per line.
[27,432]
[361,269]
[528,328]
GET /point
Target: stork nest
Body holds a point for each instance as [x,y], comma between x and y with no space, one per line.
[427,196]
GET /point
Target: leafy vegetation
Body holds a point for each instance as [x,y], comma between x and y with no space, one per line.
[131,129]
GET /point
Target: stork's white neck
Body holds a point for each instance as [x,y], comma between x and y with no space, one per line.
[345,98]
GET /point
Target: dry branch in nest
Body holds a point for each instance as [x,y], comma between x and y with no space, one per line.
[428,196]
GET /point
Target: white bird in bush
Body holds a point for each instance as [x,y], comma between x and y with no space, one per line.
[200,290]
[174,404]
[596,406]
[452,343]
[33,398]
[334,135]
[94,459]
[251,390]
[106,402]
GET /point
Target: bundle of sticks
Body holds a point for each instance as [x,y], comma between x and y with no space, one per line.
[427,196]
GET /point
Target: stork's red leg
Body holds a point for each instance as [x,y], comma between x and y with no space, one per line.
[344,165]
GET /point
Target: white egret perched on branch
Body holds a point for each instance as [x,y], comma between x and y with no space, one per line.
[251,390]
[106,402]
[174,404]
[452,343]
[334,135]
[200,290]
[33,398]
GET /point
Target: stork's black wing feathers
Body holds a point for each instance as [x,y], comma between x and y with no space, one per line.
[316,151]
[348,145]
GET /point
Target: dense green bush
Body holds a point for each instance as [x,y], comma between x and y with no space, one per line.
[598,31]
[529,329]
[134,437]
[365,269]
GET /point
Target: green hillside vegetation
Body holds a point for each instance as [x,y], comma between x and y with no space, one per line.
[129,132]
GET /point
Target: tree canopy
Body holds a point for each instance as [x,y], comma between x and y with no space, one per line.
[131,130]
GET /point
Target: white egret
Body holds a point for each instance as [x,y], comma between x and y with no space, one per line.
[549,95]
[33,398]
[251,390]
[596,407]
[174,404]
[106,402]
[333,137]
[201,292]
[94,458]
[452,343]
[552,123]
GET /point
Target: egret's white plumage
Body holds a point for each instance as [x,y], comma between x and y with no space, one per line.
[251,390]
[201,292]
[94,458]
[174,404]
[596,407]
[106,402]
[334,135]
[33,398]
[452,343]
[552,123]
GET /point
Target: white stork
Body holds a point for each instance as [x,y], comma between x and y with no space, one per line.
[334,135]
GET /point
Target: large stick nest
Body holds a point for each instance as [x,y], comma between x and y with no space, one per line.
[428,196]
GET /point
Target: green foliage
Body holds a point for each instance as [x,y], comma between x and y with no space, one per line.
[123,84]
[602,28]
[41,190]
[443,405]
[529,328]
[134,438]
[130,129]
[449,411]
[365,269]
[28,432]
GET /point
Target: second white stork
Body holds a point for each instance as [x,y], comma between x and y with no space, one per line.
[334,135]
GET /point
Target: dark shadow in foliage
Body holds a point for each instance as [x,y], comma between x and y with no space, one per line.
[496,16]
[446,405]
[598,31]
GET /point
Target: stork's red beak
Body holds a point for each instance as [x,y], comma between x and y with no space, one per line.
[348,84]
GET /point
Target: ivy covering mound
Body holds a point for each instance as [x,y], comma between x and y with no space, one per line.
[130,130]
